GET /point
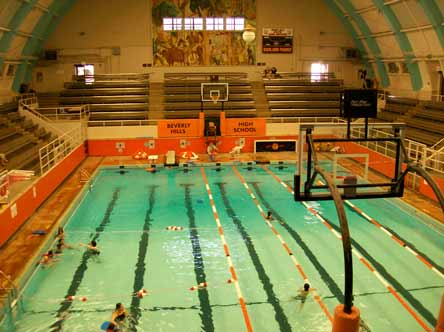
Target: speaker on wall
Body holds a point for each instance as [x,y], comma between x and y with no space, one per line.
[51,55]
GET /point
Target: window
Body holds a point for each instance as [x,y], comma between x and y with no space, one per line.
[10,71]
[235,23]
[193,23]
[317,69]
[214,23]
[87,71]
[171,23]
[197,23]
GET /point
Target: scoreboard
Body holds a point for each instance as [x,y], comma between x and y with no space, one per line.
[277,40]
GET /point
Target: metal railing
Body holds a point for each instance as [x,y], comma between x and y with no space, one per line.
[308,119]
[65,113]
[111,77]
[307,75]
[438,98]
[40,117]
[121,123]
[59,148]
[430,159]
[206,77]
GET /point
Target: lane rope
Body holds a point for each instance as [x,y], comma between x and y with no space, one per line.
[367,264]
[234,280]
[284,244]
[400,242]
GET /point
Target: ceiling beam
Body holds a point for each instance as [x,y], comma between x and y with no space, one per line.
[435,17]
[351,30]
[45,25]
[404,44]
[15,23]
[371,42]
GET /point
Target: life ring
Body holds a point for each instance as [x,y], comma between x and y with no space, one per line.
[190,155]
[140,155]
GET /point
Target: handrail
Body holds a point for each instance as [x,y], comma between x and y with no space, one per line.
[113,77]
[441,141]
[42,118]
[67,111]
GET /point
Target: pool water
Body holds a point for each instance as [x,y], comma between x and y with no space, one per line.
[127,214]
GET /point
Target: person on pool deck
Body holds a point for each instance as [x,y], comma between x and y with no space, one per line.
[92,248]
[119,315]
[211,150]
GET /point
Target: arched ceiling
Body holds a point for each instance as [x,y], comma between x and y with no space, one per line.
[402,31]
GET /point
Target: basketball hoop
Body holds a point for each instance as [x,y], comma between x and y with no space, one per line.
[215,94]
[215,98]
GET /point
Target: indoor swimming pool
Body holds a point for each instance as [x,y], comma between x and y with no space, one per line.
[225,267]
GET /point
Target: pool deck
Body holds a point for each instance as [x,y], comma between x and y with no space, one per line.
[20,249]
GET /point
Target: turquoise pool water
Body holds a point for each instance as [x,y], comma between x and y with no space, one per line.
[127,215]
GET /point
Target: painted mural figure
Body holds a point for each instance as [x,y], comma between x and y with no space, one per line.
[188,47]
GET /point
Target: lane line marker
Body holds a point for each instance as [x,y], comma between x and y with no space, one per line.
[227,255]
[285,246]
[361,259]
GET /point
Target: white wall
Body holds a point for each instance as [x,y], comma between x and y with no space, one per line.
[90,31]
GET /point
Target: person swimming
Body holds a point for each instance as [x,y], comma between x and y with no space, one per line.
[303,294]
[119,315]
[92,248]
[269,216]
[48,258]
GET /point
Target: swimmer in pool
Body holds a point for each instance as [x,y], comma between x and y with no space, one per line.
[119,315]
[269,216]
[48,258]
[303,293]
[92,248]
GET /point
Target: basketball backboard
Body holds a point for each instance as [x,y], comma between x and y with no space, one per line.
[214,92]
[326,151]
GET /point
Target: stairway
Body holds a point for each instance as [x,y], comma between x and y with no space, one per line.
[156,108]
[261,101]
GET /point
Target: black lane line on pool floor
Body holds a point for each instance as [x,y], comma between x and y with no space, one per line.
[387,276]
[206,314]
[279,315]
[407,243]
[392,280]
[136,313]
[81,269]
[325,276]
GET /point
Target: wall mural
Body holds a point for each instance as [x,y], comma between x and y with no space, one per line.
[190,48]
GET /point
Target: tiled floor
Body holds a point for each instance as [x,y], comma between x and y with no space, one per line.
[16,253]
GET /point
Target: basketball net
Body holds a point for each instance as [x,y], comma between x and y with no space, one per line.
[215,98]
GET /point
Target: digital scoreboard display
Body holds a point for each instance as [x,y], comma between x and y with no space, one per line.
[277,40]
[360,103]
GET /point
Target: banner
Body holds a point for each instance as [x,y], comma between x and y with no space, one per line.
[178,128]
[276,145]
[4,188]
[245,127]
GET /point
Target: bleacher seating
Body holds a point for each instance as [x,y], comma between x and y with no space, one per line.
[297,95]
[111,97]
[424,119]
[427,123]
[20,139]
[396,108]
[182,95]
